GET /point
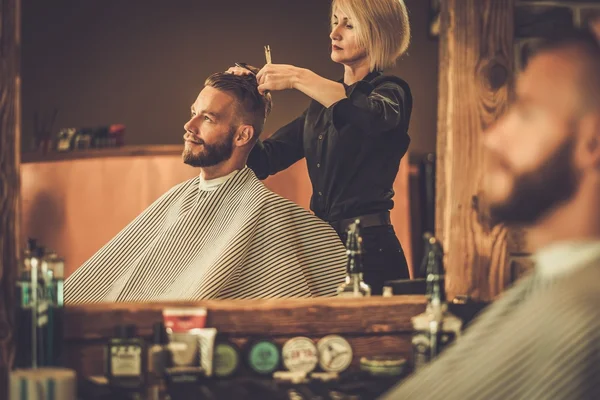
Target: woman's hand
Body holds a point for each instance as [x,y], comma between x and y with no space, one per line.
[242,70]
[278,77]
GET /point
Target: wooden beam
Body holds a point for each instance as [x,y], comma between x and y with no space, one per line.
[319,316]
[10,120]
[476,71]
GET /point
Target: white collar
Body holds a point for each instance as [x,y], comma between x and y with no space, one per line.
[212,184]
[565,257]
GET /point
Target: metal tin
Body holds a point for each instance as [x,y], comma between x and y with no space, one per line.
[383,365]
[263,357]
[226,359]
[300,355]
[335,353]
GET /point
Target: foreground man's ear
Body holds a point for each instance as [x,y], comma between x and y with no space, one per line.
[589,151]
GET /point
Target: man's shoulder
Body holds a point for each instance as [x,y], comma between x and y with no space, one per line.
[573,300]
[275,202]
[582,288]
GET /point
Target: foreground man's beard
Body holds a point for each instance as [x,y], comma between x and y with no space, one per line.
[211,154]
[535,193]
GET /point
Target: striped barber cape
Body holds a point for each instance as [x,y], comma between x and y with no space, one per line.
[240,241]
[539,341]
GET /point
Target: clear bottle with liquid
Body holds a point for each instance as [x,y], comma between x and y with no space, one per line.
[354,285]
[53,268]
[23,315]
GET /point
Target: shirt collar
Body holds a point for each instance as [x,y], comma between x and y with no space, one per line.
[368,78]
[213,184]
[565,257]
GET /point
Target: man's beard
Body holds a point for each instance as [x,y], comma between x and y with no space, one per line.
[536,193]
[211,154]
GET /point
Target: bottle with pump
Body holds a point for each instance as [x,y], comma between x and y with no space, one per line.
[53,269]
[354,285]
[436,327]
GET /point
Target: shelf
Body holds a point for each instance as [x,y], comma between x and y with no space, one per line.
[124,151]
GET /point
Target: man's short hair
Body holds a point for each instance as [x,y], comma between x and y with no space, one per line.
[253,108]
[588,46]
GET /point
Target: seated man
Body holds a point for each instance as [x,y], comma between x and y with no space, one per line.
[541,339]
[222,234]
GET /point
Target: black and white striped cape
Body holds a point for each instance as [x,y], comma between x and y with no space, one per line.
[539,341]
[240,241]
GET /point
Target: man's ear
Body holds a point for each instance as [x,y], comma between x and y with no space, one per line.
[244,135]
[590,127]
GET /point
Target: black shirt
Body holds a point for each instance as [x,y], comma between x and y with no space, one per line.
[352,149]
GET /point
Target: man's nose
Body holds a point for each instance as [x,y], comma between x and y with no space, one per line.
[188,126]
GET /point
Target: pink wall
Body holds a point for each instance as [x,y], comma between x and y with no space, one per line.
[74,207]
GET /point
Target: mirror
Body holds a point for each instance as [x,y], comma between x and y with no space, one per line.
[99,63]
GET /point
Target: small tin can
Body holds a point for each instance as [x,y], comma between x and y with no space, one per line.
[335,353]
[300,355]
[226,359]
[383,366]
[263,357]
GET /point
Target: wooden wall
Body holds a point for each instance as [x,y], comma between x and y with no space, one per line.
[10,119]
[476,70]
[75,205]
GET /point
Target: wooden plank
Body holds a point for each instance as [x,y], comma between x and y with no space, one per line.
[376,315]
[476,70]
[10,120]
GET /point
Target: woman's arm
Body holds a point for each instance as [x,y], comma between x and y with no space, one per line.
[374,108]
[281,76]
[283,148]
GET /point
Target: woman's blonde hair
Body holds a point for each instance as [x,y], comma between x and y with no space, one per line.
[382,28]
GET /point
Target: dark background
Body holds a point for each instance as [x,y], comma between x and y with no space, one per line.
[142,63]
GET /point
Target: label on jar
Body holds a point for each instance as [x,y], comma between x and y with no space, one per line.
[263,357]
[335,353]
[300,355]
[126,360]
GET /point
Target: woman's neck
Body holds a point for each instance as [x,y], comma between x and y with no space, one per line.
[355,72]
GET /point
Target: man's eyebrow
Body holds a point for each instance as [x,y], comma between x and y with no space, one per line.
[206,112]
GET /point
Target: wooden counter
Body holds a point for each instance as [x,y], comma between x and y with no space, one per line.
[373,326]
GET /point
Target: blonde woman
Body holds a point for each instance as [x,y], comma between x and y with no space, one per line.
[354,132]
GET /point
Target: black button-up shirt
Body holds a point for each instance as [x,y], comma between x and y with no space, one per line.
[352,149]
